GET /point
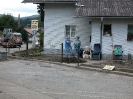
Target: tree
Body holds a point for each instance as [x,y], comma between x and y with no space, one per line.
[40,24]
[21,30]
[1,33]
[8,21]
[27,21]
[41,38]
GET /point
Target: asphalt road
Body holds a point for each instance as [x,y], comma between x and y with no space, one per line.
[12,50]
[21,79]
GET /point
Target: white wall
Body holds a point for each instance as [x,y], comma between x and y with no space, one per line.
[119,31]
[56,17]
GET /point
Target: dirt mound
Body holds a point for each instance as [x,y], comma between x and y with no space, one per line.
[37,53]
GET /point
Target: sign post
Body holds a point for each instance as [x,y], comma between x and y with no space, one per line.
[34,28]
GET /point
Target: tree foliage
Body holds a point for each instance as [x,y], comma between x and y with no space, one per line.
[41,37]
[27,22]
[1,33]
[21,30]
[40,24]
[7,21]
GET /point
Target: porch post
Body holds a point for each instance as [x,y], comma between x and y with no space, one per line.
[101,33]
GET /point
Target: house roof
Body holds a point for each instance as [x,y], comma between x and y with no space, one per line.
[96,8]
[30,31]
[47,1]
[105,8]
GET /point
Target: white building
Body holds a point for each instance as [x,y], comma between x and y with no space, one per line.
[89,20]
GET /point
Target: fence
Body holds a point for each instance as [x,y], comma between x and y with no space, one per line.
[70,59]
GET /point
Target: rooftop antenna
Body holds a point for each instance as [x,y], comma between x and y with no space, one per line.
[79,5]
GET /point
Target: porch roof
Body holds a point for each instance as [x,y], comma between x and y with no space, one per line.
[48,1]
[104,8]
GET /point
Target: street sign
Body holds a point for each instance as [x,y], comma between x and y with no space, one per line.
[34,24]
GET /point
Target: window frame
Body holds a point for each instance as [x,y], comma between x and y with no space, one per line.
[110,33]
[70,30]
[129,38]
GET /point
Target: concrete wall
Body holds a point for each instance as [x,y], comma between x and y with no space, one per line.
[56,17]
[119,31]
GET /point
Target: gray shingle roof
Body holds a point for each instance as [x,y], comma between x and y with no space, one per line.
[97,8]
[105,8]
[44,1]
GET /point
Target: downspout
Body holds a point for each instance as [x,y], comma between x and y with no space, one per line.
[101,33]
[44,30]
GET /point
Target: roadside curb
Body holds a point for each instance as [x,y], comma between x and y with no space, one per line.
[125,72]
[107,71]
[93,68]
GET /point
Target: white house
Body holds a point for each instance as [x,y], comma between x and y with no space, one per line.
[113,15]
[89,19]
[60,21]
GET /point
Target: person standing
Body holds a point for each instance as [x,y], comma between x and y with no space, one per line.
[68,48]
[77,44]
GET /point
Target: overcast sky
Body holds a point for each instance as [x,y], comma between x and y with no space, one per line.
[15,7]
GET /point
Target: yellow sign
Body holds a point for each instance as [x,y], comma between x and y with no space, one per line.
[34,24]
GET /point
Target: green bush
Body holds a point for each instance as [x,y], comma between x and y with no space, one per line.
[1,33]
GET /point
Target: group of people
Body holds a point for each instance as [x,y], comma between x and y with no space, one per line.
[68,47]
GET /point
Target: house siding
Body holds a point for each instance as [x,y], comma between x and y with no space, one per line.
[119,31]
[56,17]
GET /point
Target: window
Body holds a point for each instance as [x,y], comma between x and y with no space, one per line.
[107,30]
[70,30]
[130,33]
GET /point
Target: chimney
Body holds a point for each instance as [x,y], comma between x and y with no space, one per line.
[18,19]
